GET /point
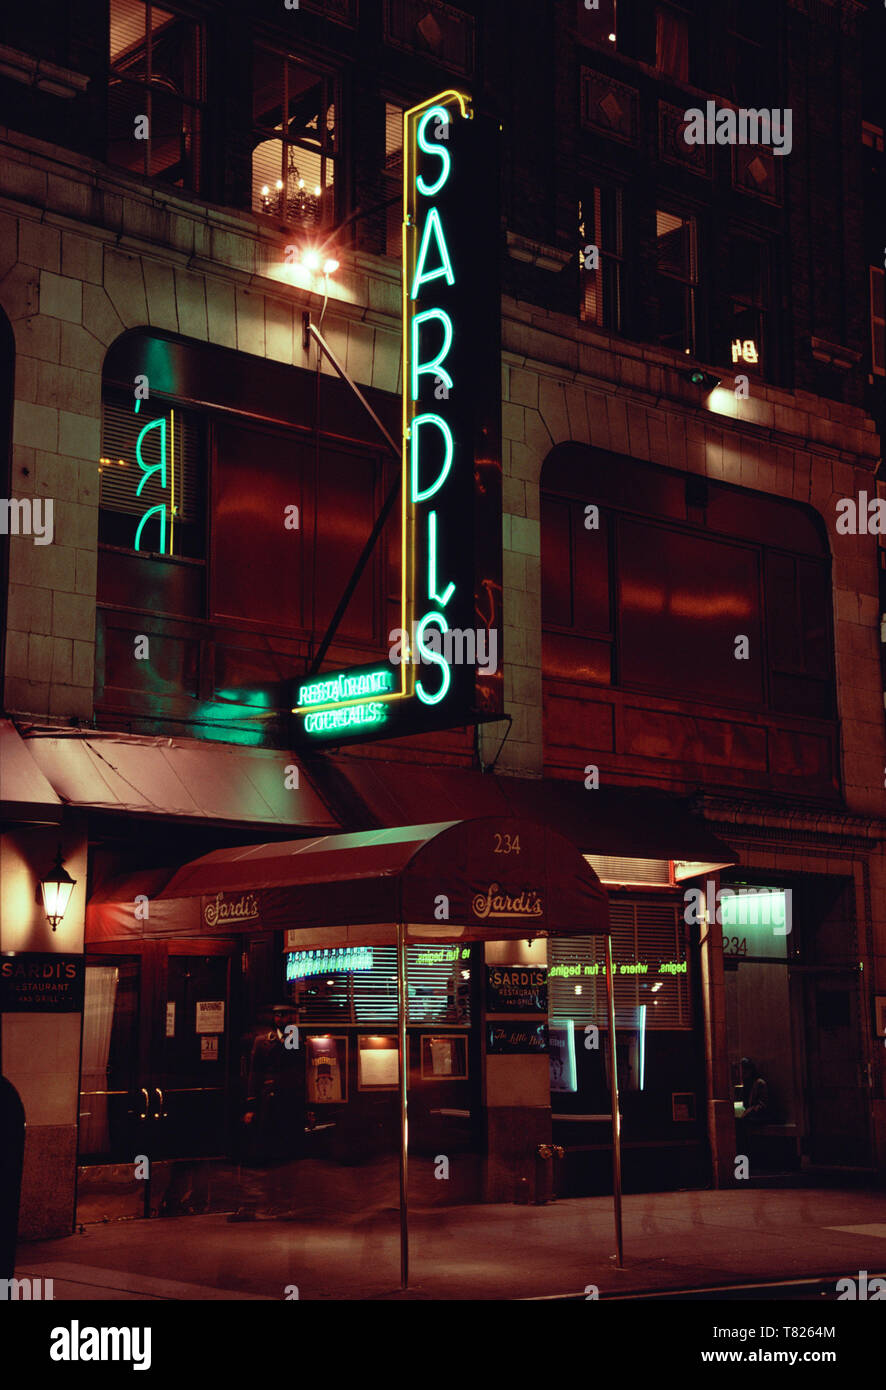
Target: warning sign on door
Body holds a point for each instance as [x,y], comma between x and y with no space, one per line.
[210,1015]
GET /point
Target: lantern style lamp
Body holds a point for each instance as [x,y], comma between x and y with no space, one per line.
[57,888]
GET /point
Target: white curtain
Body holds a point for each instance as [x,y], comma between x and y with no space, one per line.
[98,1018]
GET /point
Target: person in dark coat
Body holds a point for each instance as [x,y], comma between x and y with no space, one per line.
[274,1117]
[275,1102]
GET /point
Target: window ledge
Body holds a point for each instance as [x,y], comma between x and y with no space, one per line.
[536,253]
[834,354]
[37,72]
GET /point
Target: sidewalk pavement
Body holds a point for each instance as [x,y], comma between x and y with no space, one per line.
[672,1240]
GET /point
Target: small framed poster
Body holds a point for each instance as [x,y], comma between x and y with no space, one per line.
[327,1070]
[444,1058]
[880,1015]
[378,1063]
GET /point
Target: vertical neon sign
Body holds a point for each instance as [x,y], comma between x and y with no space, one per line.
[450,516]
[430,448]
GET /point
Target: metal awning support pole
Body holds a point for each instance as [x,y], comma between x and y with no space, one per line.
[616,1118]
[402,1007]
[309,331]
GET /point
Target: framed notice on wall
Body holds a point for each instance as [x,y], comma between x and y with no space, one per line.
[378,1067]
[327,1070]
[444,1058]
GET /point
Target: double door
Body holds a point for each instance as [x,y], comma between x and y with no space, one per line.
[156,1068]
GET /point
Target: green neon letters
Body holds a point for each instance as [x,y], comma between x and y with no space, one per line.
[433,228]
[342,686]
[437,113]
[430,655]
[448,450]
[433,365]
[432,565]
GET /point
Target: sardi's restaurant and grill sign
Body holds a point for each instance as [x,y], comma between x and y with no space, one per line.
[38,981]
[443,666]
[516,989]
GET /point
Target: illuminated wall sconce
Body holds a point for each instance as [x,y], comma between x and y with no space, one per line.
[56,889]
[696,377]
[317,263]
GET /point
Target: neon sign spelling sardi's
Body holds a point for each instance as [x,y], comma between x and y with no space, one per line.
[451,449]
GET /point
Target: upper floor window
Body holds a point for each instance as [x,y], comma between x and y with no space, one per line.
[750,59]
[601,257]
[672,42]
[151,479]
[656,595]
[676,279]
[294,112]
[393,179]
[744,326]
[155,92]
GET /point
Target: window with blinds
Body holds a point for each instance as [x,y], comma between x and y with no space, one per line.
[650,964]
[438,980]
[151,479]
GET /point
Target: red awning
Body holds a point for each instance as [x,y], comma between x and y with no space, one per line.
[469,880]
[25,794]
[640,823]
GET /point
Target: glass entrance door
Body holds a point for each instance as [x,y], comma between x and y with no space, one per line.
[155,1069]
[191,1071]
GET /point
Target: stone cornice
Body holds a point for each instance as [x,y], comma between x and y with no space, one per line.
[761,819]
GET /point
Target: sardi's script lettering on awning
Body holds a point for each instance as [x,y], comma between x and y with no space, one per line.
[242,909]
[495,903]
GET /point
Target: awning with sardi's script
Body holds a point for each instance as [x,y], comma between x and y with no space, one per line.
[470,880]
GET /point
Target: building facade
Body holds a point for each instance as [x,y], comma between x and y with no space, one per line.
[691,361]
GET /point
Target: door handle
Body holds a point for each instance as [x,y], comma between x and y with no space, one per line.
[161,1113]
[144,1113]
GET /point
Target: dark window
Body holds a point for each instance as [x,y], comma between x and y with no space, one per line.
[155,92]
[284,576]
[600,226]
[676,279]
[295,140]
[672,42]
[393,180]
[659,603]
[750,59]
[744,329]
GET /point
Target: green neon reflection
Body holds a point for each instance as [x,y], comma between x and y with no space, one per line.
[437,113]
[433,227]
[147,470]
